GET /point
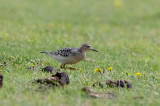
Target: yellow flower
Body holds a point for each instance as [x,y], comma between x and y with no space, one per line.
[118,3]
[98,70]
[138,74]
[110,69]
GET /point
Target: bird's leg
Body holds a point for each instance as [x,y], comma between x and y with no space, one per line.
[71,68]
[63,67]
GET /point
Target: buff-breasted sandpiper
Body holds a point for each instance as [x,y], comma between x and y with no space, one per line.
[71,55]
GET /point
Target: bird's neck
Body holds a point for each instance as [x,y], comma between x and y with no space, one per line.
[82,51]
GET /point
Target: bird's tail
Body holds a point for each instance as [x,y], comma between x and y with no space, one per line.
[45,52]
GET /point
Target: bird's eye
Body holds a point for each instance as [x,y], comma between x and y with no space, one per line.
[88,46]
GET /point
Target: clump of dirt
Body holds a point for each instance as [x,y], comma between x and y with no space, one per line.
[63,77]
[1,80]
[93,94]
[49,69]
[59,79]
[119,83]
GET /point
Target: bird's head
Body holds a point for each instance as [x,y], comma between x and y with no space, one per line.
[87,47]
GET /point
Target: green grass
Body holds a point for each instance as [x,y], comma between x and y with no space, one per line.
[127,38]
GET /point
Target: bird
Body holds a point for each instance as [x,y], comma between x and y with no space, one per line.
[70,55]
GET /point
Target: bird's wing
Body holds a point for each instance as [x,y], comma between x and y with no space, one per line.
[65,52]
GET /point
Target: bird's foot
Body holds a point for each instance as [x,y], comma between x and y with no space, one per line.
[63,67]
[71,68]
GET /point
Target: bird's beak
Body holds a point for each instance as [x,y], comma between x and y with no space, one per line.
[94,50]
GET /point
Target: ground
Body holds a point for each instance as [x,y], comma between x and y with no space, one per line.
[125,32]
